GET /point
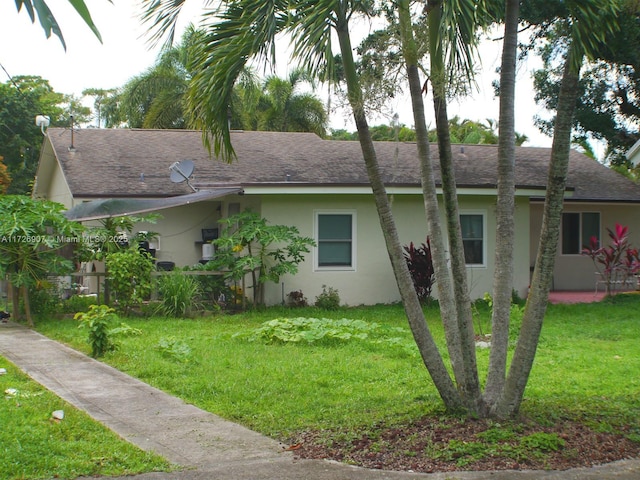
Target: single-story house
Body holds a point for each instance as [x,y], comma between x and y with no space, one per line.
[321,187]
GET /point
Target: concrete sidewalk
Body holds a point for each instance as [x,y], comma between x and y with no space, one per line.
[205,445]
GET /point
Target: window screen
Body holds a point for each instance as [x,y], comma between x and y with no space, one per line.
[335,240]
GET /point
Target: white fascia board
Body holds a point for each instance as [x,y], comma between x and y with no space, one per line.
[633,155]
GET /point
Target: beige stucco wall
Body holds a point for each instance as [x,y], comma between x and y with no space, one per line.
[51,184]
[372,281]
[180,228]
[577,272]
[59,190]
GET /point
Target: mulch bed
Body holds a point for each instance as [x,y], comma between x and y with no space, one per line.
[426,446]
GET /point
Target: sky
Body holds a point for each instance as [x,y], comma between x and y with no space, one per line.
[125,53]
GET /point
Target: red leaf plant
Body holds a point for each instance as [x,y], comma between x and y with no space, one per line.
[616,263]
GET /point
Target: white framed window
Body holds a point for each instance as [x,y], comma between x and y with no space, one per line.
[577,230]
[335,236]
[474,237]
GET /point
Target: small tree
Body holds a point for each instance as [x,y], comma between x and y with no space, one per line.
[111,236]
[248,245]
[617,262]
[32,232]
[420,266]
[129,276]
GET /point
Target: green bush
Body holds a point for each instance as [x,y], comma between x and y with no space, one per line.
[329,299]
[77,303]
[44,300]
[129,277]
[214,291]
[179,294]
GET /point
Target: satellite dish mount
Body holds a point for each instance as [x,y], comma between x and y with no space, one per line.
[181,171]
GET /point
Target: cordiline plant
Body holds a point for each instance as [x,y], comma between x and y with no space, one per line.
[616,262]
[420,266]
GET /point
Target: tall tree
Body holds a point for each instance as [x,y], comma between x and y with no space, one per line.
[284,109]
[156,98]
[505,210]
[582,26]
[438,250]
[608,106]
[101,97]
[21,100]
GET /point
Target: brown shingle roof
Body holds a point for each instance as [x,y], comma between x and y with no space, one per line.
[123,162]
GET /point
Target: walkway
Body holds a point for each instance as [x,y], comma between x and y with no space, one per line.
[561,296]
[204,445]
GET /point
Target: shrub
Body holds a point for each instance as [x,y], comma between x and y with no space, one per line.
[297,299]
[129,277]
[329,299]
[214,290]
[179,293]
[420,265]
[77,303]
[43,299]
[617,262]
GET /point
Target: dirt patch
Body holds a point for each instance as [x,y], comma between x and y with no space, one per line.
[446,444]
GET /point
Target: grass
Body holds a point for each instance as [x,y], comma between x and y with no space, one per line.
[586,368]
[35,446]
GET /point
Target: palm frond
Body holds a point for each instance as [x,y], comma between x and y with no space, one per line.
[162,17]
[245,30]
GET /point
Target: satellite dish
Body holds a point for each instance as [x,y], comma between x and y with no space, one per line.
[181,171]
[42,121]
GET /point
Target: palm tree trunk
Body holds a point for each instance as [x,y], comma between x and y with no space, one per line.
[505,209]
[509,403]
[470,388]
[429,191]
[422,336]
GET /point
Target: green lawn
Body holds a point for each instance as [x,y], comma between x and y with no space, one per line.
[586,367]
[586,370]
[35,446]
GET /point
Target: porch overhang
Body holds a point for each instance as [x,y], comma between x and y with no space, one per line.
[120,207]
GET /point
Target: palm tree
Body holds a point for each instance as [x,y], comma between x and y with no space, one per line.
[246,29]
[222,56]
[284,110]
[452,40]
[438,249]
[155,99]
[505,209]
[48,21]
[587,22]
